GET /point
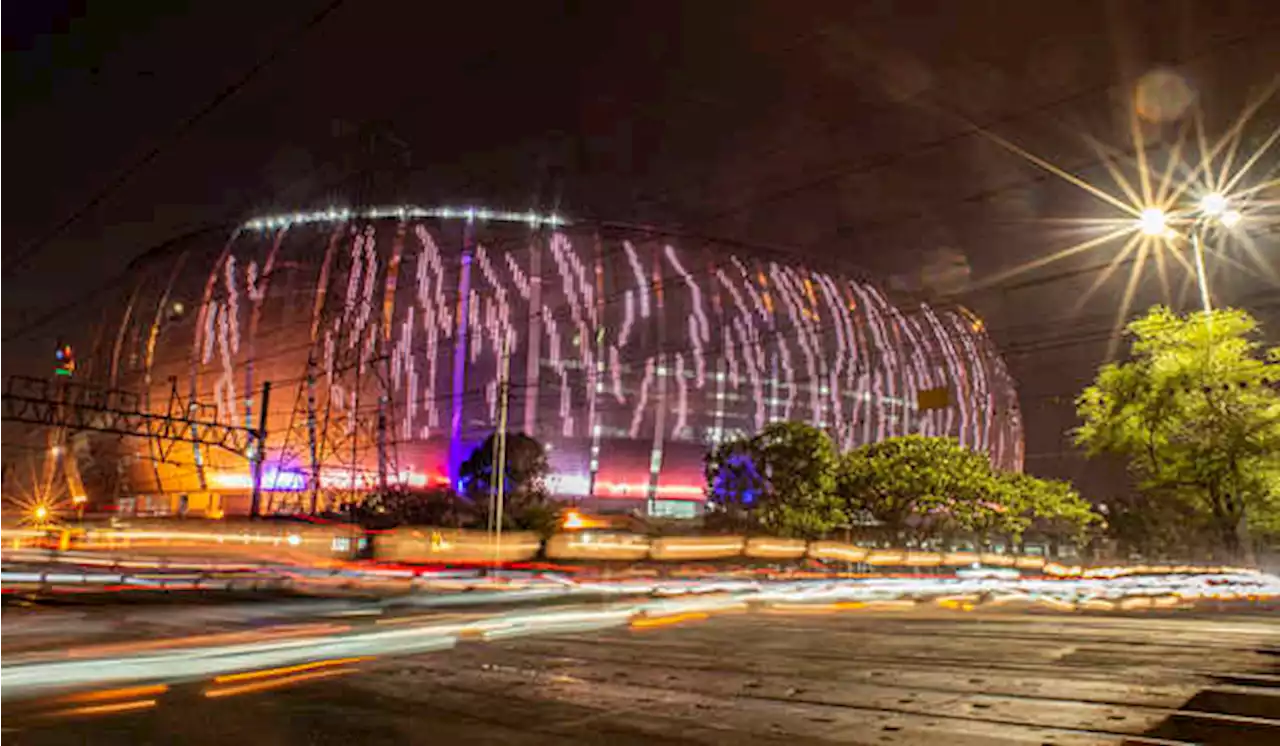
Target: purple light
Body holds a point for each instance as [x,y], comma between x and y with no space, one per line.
[744,341]
[282,480]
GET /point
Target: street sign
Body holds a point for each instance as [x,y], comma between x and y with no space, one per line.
[938,398]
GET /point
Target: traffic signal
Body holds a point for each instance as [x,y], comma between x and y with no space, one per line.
[66,358]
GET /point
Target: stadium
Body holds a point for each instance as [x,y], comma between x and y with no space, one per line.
[628,352]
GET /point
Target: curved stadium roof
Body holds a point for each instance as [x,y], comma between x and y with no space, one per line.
[629,351]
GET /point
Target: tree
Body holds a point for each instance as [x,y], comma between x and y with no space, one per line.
[919,487]
[1196,412]
[526,501]
[781,479]
[1156,528]
[402,507]
[735,485]
[1053,507]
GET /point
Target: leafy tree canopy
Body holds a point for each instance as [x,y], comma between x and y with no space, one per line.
[1157,528]
[399,507]
[526,502]
[1052,506]
[1195,410]
[916,486]
[525,466]
[781,479]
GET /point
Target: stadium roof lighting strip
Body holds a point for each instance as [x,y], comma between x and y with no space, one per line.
[405,212]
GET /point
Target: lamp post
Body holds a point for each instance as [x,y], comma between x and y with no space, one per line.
[1214,209]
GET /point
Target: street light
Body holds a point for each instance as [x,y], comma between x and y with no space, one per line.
[1213,204]
[1152,222]
[1215,209]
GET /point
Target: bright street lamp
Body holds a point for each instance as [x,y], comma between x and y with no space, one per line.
[1215,209]
[1213,204]
[1152,222]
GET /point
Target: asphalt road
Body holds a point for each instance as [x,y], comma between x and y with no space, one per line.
[852,677]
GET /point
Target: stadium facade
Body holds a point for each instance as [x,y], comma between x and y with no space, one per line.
[628,351]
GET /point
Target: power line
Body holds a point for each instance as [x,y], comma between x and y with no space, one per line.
[882,160]
[1074,335]
[185,127]
[62,310]
[892,157]
[29,327]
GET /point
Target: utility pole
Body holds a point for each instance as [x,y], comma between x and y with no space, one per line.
[382,441]
[259,452]
[52,455]
[500,467]
[355,442]
[311,430]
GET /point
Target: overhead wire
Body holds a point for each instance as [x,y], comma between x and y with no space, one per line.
[608,300]
[395,442]
[1011,349]
[1209,52]
[599,305]
[25,253]
[969,129]
[935,145]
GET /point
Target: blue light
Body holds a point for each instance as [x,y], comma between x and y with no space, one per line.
[281,480]
[738,481]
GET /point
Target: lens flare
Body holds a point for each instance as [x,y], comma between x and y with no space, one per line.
[1146,212]
[1213,204]
[1153,222]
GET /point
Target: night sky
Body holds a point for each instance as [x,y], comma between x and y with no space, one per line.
[836,129]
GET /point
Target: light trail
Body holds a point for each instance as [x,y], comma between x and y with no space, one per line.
[116,707]
[663,621]
[258,686]
[121,693]
[666,603]
[251,675]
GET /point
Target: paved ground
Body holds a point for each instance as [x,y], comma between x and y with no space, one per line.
[854,677]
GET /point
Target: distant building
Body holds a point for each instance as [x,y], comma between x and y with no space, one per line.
[630,352]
